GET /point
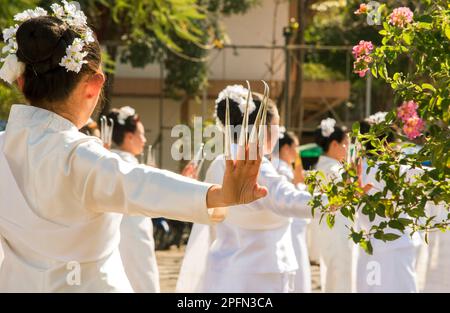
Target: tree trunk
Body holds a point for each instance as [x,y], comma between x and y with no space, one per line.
[297,104]
[184,120]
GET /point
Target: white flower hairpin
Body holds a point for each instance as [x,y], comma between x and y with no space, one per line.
[238,94]
[377,118]
[71,14]
[282,132]
[124,114]
[327,127]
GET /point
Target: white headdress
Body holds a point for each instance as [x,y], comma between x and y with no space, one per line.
[282,132]
[238,94]
[74,59]
[124,113]
[327,126]
[377,118]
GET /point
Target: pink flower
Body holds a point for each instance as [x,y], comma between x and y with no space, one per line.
[362,9]
[401,16]
[407,110]
[361,65]
[363,48]
[413,127]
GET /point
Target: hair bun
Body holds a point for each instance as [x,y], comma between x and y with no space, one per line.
[42,43]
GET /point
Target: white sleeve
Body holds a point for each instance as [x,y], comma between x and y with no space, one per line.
[284,198]
[105,183]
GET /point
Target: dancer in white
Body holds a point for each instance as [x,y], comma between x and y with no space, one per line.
[438,273]
[61,190]
[284,157]
[137,246]
[252,250]
[335,248]
[392,266]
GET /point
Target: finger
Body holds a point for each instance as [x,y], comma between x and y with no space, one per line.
[247,153]
[259,192]
[253,152]
[240,156]
[229,165]
[367,188]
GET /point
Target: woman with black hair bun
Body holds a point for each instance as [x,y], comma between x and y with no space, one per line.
[335,250]
[137,245]
[60,190]
[287,162]
[252,250]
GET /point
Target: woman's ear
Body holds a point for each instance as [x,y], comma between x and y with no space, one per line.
[334,144]
[95,85]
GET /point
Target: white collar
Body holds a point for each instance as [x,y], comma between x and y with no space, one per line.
[126,156]
[27,116]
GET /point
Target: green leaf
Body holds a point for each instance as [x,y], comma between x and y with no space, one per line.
[330,220]
[428,87]
[356,237]
[395,224]
[355,128]
[373,70]
[390,237]
[447,31]
[407,38]
[367,246]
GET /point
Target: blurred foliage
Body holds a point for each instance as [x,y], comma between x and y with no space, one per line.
[334,23]
[416,196]
[179,33]
[319,71]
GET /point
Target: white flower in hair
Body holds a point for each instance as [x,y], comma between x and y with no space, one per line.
[10,48]
[10,32]
[58,10]
[377,118]
[71,14]
[74,58]
[282,132]
[89,36]
[11,69]
[238,94]
[327,126]
[29,14]
[124,113]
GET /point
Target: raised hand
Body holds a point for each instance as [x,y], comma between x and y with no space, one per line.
[240,178]
[239,184]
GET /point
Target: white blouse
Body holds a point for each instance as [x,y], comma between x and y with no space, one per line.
[256,238]
[59,192]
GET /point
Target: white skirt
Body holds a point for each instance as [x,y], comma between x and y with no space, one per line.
[303,275]
[392,270]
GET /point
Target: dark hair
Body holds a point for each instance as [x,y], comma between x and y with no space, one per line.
[236,115]
[120,130]
[339,135]
[364,128]
[288,139]
[42,43]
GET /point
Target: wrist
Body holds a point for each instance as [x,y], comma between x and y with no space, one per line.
[214,197]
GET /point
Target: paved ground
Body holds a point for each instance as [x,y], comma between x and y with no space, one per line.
[169,262]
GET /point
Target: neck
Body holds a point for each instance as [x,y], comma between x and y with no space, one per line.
[331,155]
[125,148]
[74,119]
[72,112]
[284,158]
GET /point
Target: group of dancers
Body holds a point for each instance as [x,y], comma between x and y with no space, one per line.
[68,198]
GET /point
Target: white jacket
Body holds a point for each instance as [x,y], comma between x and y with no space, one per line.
[59,194]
